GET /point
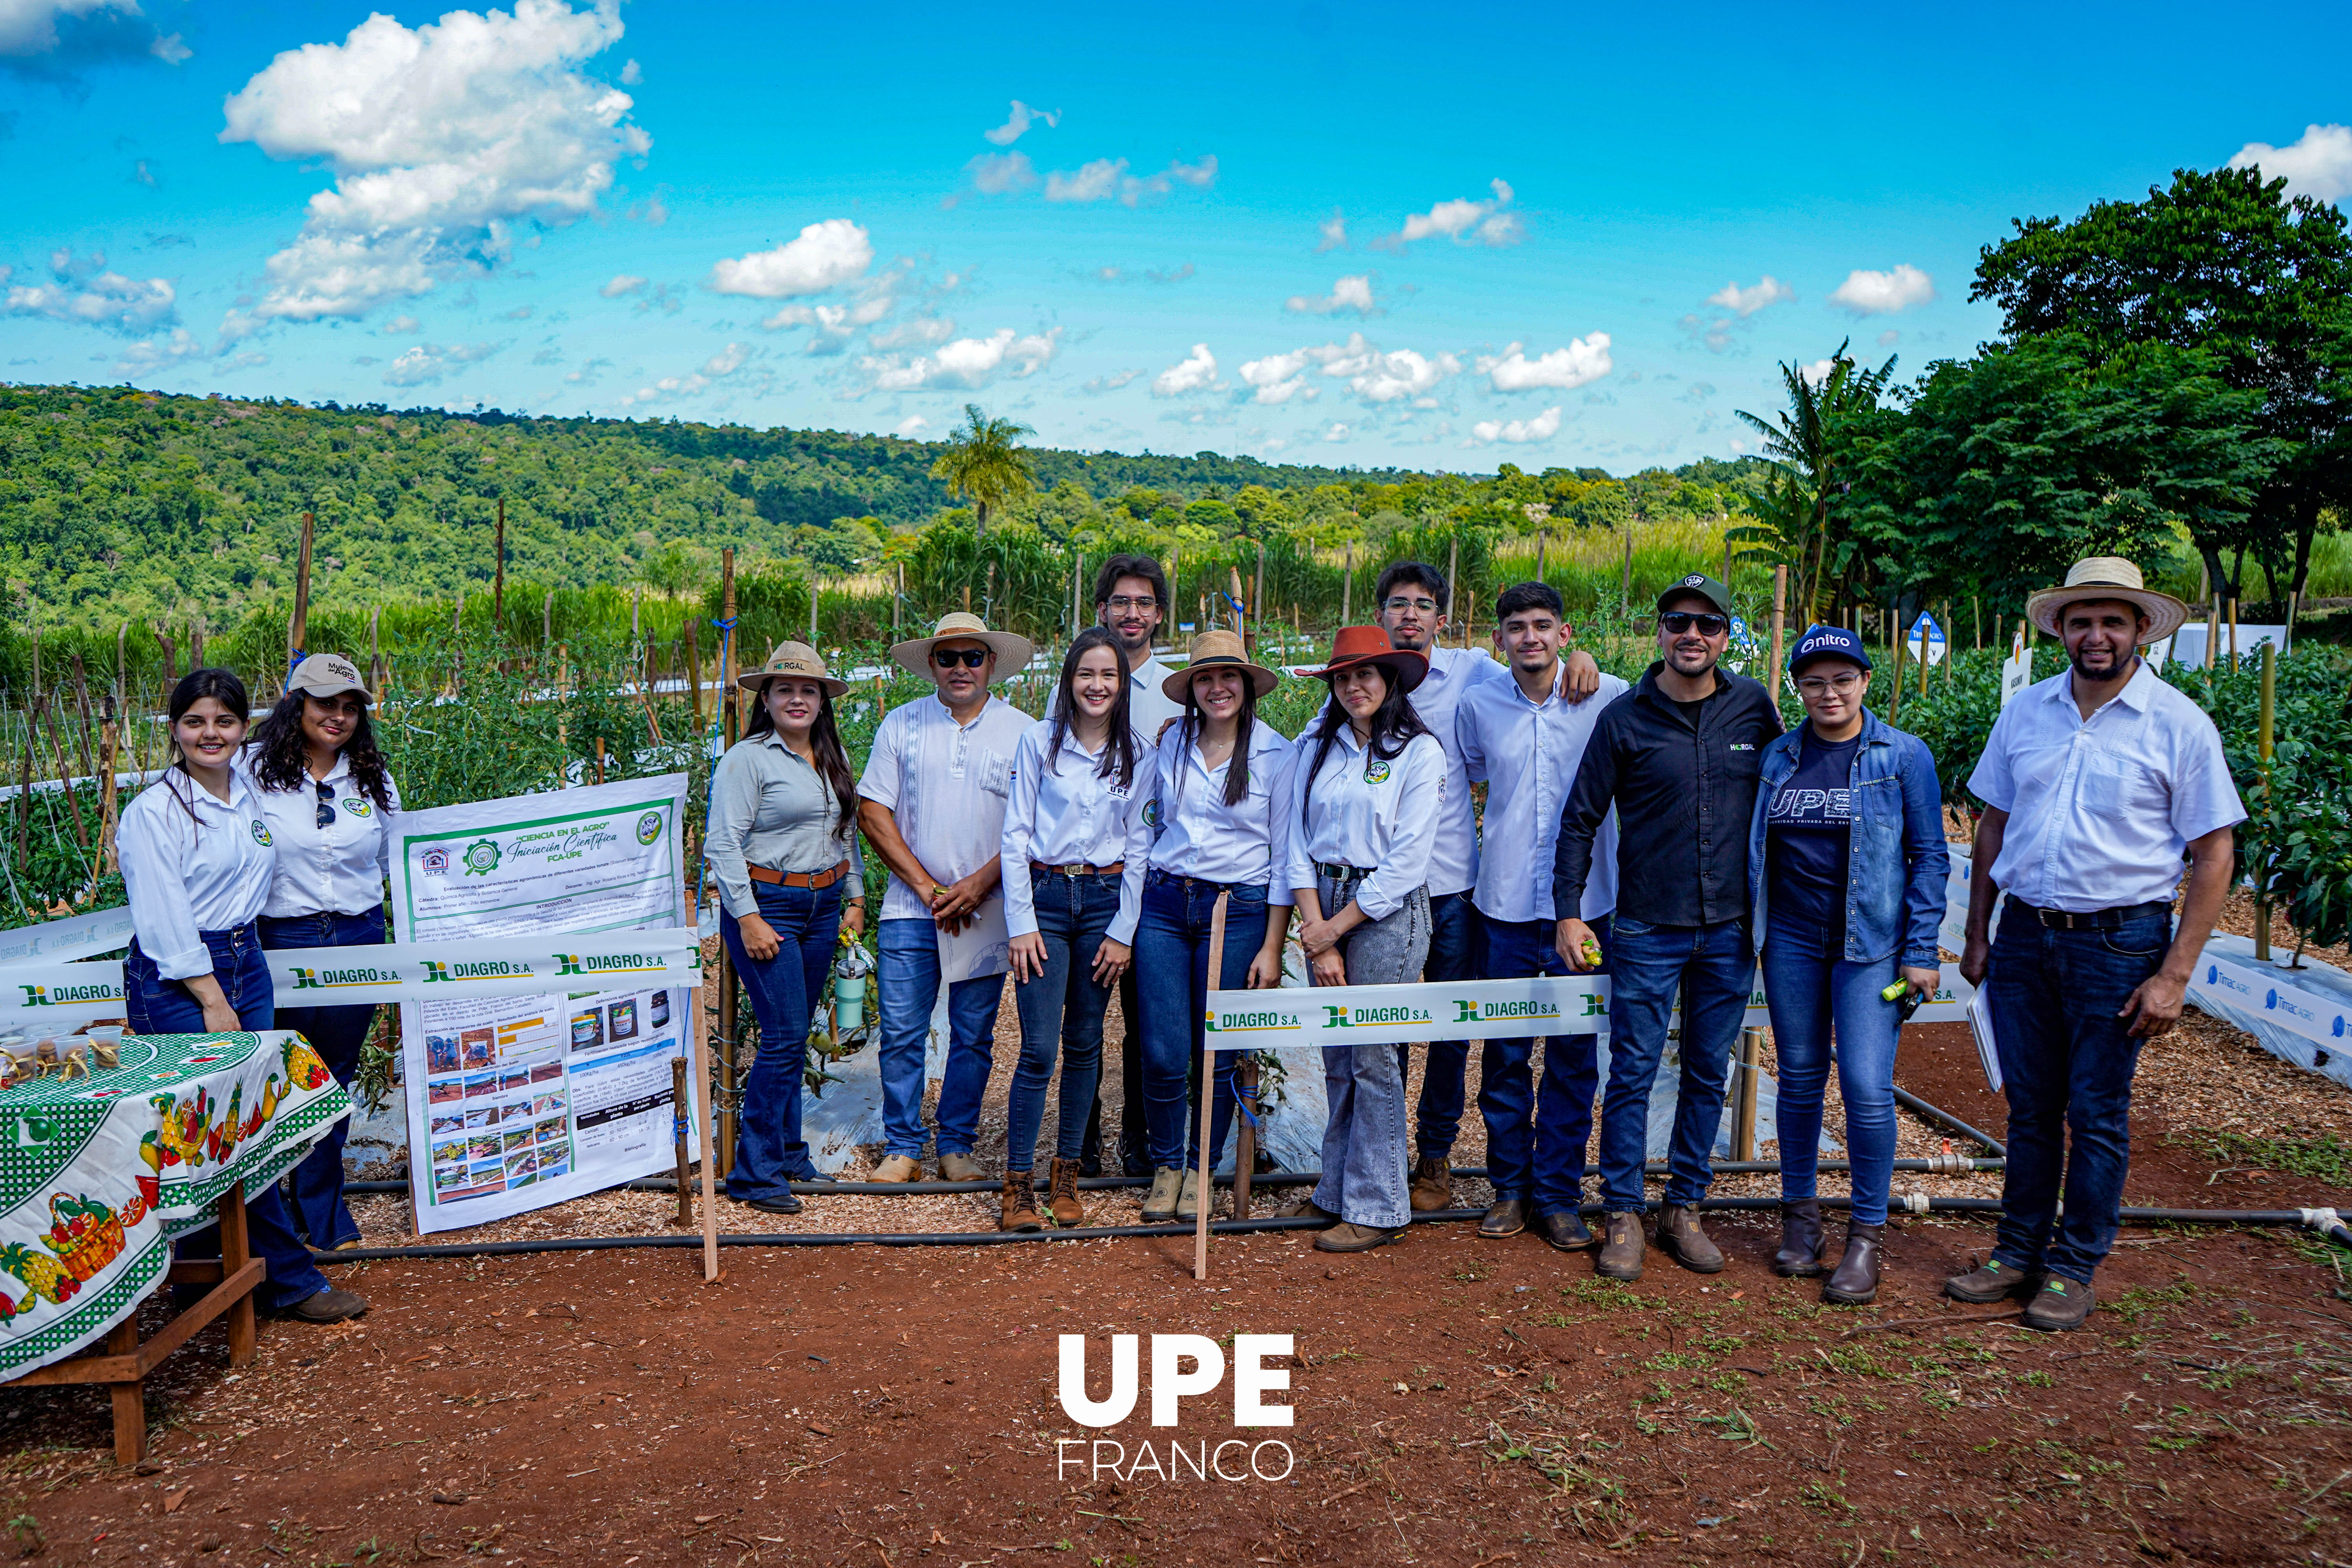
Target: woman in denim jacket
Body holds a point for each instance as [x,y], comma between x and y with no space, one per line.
[1846,855]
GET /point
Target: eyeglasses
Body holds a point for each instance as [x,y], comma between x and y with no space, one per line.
[1817,686]
[1399,602]
[970,657]
[326,803]
[1681,621]
[1122,603]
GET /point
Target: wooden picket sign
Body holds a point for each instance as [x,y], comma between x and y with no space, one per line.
[1209,1098]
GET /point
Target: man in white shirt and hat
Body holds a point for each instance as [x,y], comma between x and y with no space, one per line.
[931,801]
[2095,783]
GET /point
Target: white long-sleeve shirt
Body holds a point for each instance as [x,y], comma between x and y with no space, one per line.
[1454,673]
[1526,754]
[1195,833]
[341,868]
[1379,815]
[187,877]
[1063,811]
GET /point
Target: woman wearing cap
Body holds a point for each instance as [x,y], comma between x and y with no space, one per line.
[1219,825]
[1846,853]
[328,801]
[783,848]
[1369,783]
[1074,846]
[197,860]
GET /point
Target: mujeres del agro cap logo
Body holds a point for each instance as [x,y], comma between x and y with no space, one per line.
[1225,1459]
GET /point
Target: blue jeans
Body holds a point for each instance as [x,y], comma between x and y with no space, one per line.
[336,1034]
[1534,1149]
[1172,969]
[1063,1003]
[1712,966]
[155,1006]
[2066,1064]
[1808,995]
[909,981]
[770,1153]
[1456,952]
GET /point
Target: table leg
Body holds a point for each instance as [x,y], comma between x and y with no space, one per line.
[130,1398]
[234,1252]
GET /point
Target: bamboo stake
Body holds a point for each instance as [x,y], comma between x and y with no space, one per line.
[1245,1145]
[1209,1094]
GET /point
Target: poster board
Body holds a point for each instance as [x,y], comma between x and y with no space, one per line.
[516,1102]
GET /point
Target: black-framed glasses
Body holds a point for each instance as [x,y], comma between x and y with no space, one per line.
[970,657]
[1681,621]
[1120,603]
[326,802]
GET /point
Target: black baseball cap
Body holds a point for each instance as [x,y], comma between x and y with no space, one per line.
[1704,587]
[1827,642]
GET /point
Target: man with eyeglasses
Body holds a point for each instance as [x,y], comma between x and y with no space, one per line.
[1677,757]
[931,801]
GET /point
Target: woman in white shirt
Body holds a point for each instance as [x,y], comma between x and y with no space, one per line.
[1219,823]
[328,801]
[197,858]
[1370,784]
[1073,859]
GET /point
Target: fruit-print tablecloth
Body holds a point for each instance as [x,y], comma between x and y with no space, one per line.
[100,1174]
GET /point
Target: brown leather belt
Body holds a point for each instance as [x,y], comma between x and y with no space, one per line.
[1117,869]
[798,878]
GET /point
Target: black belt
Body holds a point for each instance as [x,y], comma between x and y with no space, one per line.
[1341,873]
[2088,920]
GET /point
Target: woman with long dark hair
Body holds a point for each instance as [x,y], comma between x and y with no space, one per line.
[198,859]
[328,801]
[783,846]
[1371,782]
[1218,822]
[1074,846]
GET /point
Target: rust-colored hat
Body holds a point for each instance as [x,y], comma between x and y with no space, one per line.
[797,661]
[1370,645]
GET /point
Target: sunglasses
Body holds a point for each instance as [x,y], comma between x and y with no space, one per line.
[970,657]
[1681,621]
[326,803]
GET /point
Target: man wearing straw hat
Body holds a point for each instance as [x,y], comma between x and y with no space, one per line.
[2095,783]
[931,801]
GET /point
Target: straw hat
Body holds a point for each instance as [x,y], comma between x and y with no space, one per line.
[1013,652]
[1370,645]
[2109,577]
[1217,650]
[797,660]
[328,675]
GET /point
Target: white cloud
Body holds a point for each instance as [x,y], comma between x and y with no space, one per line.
[152,355]
[587,374]
[1488,222]
[967,362]
[1383,377]
[427,364]
[1818,372]
[632,74]
[1889,337]
[442,138]
[1331,234]
[1585,359]
[920,329]
[1023,117]
[994,174]
[1111,382]
[621,283]
[824,255]
[913,426]
[1278,378]
[718,367]
[1517,432]
[87,293]
[1108,177]
[1350,293]
[1868,293]
[834,324]
[1766,291]
[29,28]
[1197,372]
[2318,163]
[1336,433]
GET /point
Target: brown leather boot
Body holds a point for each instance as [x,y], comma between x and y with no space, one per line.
[1799,1256]
[1062,1194]
[1017,1209]
[1433,1185]
[1680,1238]
[1620,1254]
[1855,1283]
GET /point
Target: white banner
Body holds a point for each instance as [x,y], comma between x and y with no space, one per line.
[2246,988]
[496,967]
[76,936]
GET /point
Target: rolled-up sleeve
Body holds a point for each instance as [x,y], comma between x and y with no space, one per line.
[160,917]
[734,803]
[1404,863]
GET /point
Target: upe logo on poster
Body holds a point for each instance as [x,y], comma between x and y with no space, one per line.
[1169,1386]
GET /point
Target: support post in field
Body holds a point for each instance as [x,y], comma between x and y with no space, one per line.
[1245,1146]
[1779,630]
[2262,743]
[709,1194]
[1743,1103]
[298,630]
[499,575]
[1209,1094]
[1453,578]
[1258,601]
[680,1101]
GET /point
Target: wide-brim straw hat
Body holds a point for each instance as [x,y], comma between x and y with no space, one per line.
[1012,651]
[1217,650]
[1370,645]
[2109,577]
[794,660]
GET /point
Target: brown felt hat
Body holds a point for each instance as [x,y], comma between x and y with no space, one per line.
[1370,645]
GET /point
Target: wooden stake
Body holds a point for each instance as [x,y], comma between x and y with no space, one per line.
[679,1099]
[1347,583]
[729,728]
[1543,538]
[1779,630]
[376,651]
[107,812]
[1258,601]
[1627,591]
[499,574]
[694,674]
[1894,702]
[1743,1093]
[1209,1094]
[702,1136]
[298,630]
[1453,578]
[1245,1148]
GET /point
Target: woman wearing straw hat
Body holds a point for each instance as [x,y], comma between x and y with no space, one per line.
[784,851]
[1218,817]
[1369,786]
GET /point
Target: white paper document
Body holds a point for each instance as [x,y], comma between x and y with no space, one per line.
[1980,1026]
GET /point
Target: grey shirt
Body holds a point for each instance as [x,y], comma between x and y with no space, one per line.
[771,809]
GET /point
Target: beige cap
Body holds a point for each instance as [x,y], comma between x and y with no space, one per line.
[797,660]
[328,675]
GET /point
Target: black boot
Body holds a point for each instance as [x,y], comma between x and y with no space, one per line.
[1799,1256]
[1855,1283]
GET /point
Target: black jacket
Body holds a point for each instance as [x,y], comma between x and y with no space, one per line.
[1683,796]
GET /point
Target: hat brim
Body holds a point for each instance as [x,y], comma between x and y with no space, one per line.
[1178,687]
[336,690]
[1408,669]
[1853,657]
[751,680]
[1012,651]
[2166,614]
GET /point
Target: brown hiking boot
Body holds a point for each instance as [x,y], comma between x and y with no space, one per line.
[1062,1194]
[1799,1256]
[1507,1218]
[1306,1208]
[1349,1237]
[2060,1304]
[1017,1208]
[1991,1281]
[1855,1283]
[1680,1238]
[1433,1185]
[1620,1253]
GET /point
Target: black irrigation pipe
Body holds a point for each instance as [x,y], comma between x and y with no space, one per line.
[1945,1119]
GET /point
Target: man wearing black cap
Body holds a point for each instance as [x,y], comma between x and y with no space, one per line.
[1677,757]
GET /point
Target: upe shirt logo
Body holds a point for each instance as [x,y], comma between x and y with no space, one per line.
[1376,770]
[261,833]
[357,804]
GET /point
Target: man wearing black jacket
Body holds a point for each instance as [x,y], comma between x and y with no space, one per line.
[1677,757]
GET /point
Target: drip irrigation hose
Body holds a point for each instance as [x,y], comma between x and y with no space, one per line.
[1946,1120]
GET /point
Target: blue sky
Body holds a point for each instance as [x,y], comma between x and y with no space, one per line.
[1436,237]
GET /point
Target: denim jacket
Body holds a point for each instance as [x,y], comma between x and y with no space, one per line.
[1897,868]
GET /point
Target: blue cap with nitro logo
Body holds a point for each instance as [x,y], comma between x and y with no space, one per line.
[1827,642]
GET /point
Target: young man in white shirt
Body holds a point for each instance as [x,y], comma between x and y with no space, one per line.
[2094,783]
[1523,737]
[931,801]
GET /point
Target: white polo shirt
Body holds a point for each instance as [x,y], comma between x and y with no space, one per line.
[193,863]
[338,869]
[945,784]
[2101,808]
[1380,814]
[1526,755]
[1148,706]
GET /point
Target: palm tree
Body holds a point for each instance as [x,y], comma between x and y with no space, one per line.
[983,464]
[1794,521]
